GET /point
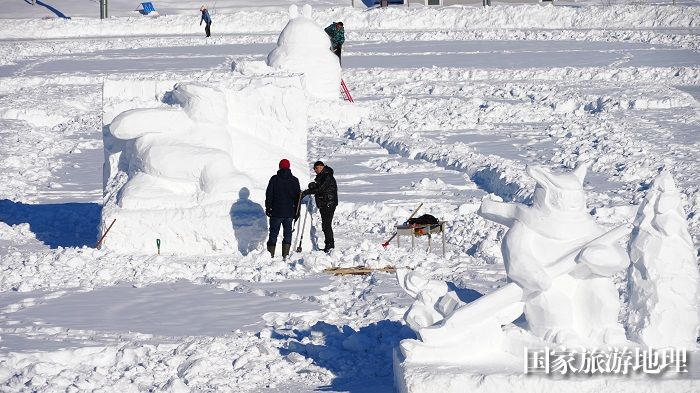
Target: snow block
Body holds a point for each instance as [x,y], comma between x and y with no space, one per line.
[189,163]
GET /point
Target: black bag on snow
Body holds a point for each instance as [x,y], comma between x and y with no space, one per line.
[424,219]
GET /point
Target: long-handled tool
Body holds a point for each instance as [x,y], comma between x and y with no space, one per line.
[302,230]
[386,243]
[296,239]
[99,242]
[346,91]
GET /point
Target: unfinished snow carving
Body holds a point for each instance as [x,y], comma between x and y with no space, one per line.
[193,174]
[663,278]
[303,47]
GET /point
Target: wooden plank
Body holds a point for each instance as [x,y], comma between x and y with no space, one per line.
[358,270]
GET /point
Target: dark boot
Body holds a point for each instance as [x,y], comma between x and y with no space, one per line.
[271,249]
[285,250]
[329,247]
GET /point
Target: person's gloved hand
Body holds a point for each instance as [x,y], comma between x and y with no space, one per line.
[268,211]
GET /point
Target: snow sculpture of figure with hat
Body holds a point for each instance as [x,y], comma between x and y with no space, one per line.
[303,47]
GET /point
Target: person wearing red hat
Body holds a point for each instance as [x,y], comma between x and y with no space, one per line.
[281,198]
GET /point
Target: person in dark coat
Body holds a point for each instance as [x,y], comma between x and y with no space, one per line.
[206,19]
[281,205]
[325,189]
[336,32]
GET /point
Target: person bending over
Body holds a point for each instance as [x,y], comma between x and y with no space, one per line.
[336,32]
[206,19]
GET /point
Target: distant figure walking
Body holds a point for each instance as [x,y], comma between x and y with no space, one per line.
[206,19]
[336,32]
[281,198]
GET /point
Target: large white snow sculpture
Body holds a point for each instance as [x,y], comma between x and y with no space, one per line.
[577,307]
[664,278]
[192,171]
[303,47]
[559,261]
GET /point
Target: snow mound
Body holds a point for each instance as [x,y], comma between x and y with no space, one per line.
[303,47]
[192,169]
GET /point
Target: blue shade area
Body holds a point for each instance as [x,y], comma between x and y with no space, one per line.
[56,224]
[52,9]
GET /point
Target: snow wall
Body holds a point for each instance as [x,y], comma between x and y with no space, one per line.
[188,163]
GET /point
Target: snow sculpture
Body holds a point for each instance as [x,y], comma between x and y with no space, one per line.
[303,47]
[193,173]
[580,307]
[443,333]
[664,279]
[425,311]
[559,261]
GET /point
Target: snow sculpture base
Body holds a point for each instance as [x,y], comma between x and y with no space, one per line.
[503,372]
[188,162]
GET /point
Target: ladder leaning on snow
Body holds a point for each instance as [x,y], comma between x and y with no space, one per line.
[345,91]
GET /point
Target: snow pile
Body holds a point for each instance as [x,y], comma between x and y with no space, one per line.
[190,364]
[303,47]
[664,277]
[192,170]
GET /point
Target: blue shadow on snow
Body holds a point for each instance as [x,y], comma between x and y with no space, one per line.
[361,360]
[372,3]
[52,9]
[464,294]
[57,225]
[249,222]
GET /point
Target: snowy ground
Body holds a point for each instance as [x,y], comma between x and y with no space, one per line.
[461,100]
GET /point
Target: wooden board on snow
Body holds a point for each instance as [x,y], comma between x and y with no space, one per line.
[358,270]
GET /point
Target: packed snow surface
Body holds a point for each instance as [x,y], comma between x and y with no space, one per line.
[452,105]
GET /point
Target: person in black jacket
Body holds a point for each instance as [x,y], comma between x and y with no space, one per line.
[281,200]
[325,190]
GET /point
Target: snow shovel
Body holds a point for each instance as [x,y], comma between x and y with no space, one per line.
[302,230]
[386,243]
